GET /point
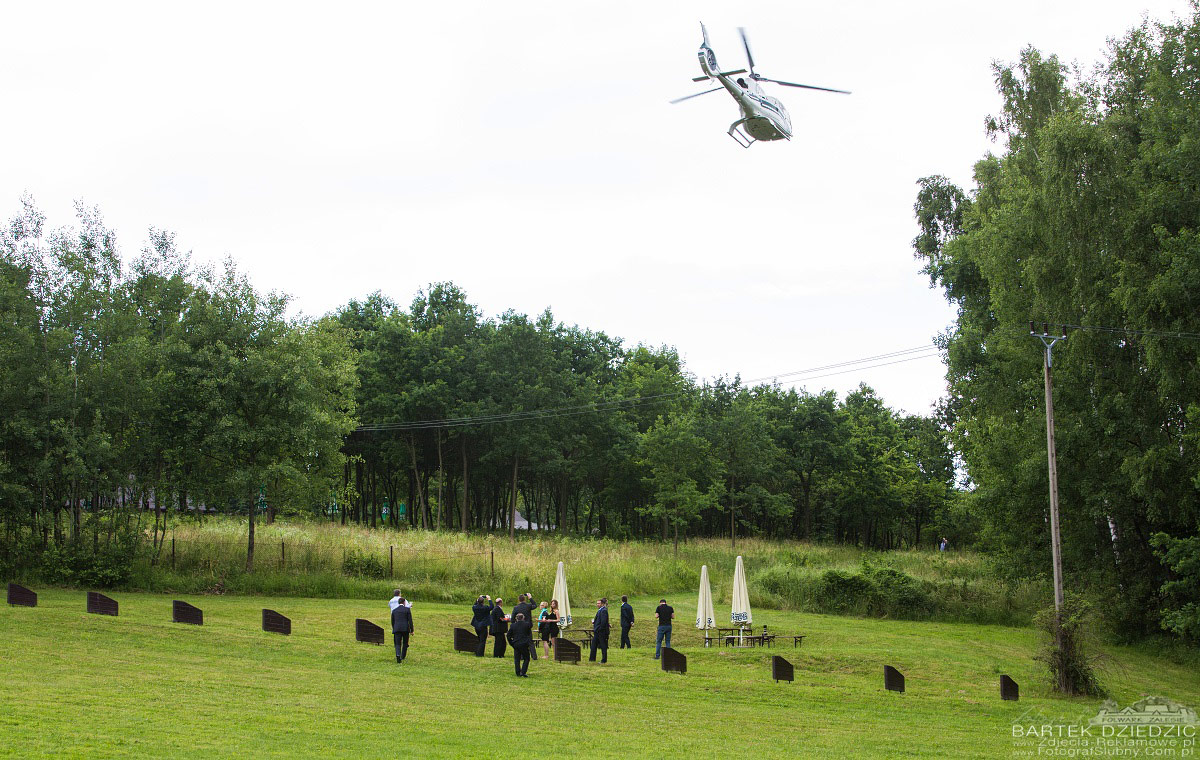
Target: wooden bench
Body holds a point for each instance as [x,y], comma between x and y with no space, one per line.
[182,612]
[273,622]
[782,670]
[367,632]
[465,641]
[1009,689]
[744,640]
[99,604]
[566,650]
[798,641]
[673,661]
[19,596]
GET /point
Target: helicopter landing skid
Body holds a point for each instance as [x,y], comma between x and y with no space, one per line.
[739,134]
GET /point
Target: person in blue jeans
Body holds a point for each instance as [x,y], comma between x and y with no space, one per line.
[665,614]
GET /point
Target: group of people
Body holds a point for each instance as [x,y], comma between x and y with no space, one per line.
[515,628]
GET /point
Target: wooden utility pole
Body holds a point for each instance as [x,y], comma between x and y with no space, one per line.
[1048,342]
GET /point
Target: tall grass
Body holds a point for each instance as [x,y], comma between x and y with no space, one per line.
[325,560]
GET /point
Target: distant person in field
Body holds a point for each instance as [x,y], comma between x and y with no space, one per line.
[521,638]
[943,544]
[398,599]
[600,630]
[626,621]
[481,616]
[402,628]
[665,613]
[499,628]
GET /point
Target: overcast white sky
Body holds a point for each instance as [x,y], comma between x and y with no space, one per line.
[527,152]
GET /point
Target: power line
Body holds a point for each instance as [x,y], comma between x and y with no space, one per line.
[895,357]
[1127,331]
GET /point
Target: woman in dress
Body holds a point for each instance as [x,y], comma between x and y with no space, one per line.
[549,626]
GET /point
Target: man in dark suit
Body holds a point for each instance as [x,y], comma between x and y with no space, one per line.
[499,628]
[481,615]
[402,628]
[600,632]
[521,638]
[525,607]
[626,621]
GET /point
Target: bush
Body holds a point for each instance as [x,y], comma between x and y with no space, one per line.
[74,565]
[898,594]
[840,591]
[1072,667]
[364,565]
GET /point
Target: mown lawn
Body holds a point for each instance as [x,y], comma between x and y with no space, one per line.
[79,685]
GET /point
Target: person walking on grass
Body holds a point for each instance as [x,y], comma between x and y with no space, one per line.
[481,616]
[398,599]
[499,627]
[520,635]
[626,621]
[665,614]
[402,628]
[600,630]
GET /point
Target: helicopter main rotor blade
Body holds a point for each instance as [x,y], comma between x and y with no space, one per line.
[698,94]
[723,73]
[746,45]
[804,86]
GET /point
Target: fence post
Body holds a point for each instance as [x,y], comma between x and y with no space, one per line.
[493,553]
[391,561]
[282,554]
[172,552]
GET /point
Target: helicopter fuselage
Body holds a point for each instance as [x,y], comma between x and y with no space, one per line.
[763,117]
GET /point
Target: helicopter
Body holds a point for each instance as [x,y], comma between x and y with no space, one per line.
[763,117]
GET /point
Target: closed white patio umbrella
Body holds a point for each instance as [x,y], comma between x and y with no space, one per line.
[740,614]
[564,601]
[704,606]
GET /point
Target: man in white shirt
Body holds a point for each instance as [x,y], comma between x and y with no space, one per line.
[397,599]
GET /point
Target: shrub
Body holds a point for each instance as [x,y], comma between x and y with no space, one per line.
[840,591]
[72,564]
[364,565]
[898,594]
[1072,667]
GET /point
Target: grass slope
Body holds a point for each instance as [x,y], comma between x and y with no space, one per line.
[79,685]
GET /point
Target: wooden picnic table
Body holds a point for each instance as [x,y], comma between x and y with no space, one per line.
[750,640]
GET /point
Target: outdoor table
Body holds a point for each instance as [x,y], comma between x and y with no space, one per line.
[797,641]
[744,640]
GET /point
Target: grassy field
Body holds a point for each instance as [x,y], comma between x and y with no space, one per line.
[79,685]
[301,558]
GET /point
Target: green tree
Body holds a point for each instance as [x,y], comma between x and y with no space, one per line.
[683,474]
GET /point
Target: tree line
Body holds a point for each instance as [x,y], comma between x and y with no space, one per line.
[179,389]
[1087,219]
